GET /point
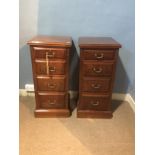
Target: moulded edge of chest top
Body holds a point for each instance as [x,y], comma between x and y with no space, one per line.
[52,41]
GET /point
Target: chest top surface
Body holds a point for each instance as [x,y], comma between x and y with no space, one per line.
[63,41]
[103,42]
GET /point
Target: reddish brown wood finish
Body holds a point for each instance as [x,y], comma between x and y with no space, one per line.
[98,56]
[51,41]
[53,53]
[97,68]
[51,83]
[98,42]
[52,100]
[54,67]
[96,84]
[94,102]
[50,65]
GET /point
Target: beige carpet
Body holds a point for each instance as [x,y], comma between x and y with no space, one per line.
[72,136]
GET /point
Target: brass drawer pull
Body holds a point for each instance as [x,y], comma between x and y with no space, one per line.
[94,103]
[51,55]
[52,86]
[99,56]
[99,70]
[51,103]
[52,69]
[96,86]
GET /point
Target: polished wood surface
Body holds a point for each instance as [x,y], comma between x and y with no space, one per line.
[51,53]
[51,83]
[104,42]
[99,54]
[44,40]
[52,100]
[97,68]
[54,67]
[43,113]
[94,102]
[94,114]
[50,66]
[96,84]
[98,57]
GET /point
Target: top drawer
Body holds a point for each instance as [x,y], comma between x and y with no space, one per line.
[98,54]
[50,53]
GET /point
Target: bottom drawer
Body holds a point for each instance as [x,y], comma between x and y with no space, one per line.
[52,100]
[94,102]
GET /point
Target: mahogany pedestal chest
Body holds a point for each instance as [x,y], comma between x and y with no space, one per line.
[98,56]
[50,65]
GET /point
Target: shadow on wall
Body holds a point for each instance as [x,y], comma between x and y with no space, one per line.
[25,74]
[121,78]
[74,69]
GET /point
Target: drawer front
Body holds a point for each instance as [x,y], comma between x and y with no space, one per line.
[98,54]
[53,68]
[97,69]
[94,102]
[50,53]
[96,85]
[51,84]
[52,101]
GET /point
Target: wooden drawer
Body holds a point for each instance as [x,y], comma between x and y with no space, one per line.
[50,53]
[97,69]
[98,54]
[94,102]
[54,67]
[96,85]
[51,83]
[51,100]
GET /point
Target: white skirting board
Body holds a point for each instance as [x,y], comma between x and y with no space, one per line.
[124,97]
[74,94]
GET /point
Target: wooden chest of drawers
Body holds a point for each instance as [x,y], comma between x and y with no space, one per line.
[98,56]
[50,65]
